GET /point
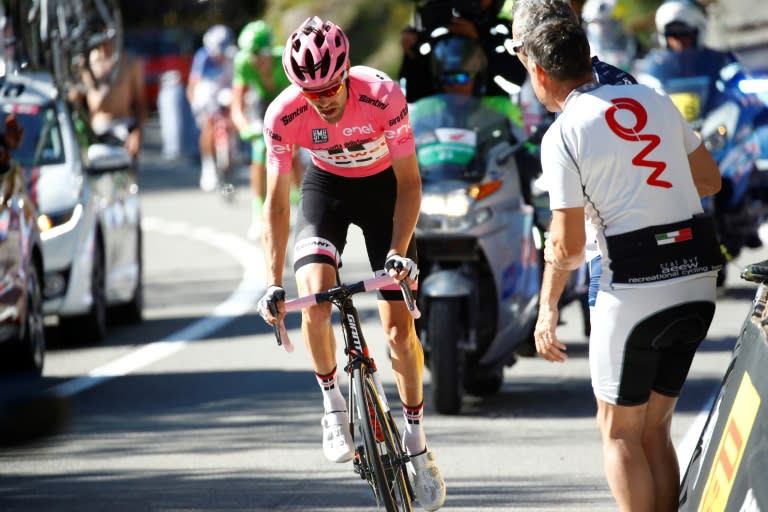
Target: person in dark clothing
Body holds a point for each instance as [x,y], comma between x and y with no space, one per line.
[474,19]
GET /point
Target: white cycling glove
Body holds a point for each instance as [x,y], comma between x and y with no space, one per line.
[399,263]
[268,302]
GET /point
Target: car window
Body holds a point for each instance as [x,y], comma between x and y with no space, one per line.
[41,143]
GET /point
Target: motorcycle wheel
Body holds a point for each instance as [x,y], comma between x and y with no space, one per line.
[444,323]
[486,384]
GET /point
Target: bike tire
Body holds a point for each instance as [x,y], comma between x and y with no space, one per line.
[392,452]
[368,455]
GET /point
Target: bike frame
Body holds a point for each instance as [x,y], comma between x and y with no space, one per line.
[380,457]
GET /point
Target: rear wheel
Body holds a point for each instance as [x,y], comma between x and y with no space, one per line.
[444,327]
[27,354]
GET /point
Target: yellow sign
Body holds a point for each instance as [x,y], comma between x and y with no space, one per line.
[688,103]
[730,451]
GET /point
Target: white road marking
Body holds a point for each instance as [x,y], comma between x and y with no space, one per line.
[246,294]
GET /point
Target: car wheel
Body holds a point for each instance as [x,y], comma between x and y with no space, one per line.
[132,311]
[28,352]
[91,327]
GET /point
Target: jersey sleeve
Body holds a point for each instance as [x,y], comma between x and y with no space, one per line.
[279,150]
[397,129]
[561,173]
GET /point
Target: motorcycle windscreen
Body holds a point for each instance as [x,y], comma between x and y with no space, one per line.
[449,155]
[689,96]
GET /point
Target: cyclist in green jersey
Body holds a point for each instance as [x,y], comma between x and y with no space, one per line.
[258,78]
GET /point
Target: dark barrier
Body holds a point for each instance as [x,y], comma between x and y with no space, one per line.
[728,470]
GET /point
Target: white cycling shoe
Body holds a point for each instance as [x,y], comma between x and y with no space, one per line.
[426,480]
[337,440]
[208,180]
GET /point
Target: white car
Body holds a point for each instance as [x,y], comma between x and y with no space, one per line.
[89,212]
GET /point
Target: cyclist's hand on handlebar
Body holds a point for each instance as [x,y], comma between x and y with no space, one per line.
[401,268]
[270,305]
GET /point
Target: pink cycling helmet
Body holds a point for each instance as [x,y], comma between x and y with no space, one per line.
[315,54]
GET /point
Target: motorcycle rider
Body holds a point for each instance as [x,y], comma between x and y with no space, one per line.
[607,35]
[680,29]
[211,72]
[258,79]
[477,19]
[354,121]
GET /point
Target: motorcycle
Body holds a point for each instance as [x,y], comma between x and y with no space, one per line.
[480,251]
[736,133]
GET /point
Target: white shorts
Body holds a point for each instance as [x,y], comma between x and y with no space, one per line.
[644,339]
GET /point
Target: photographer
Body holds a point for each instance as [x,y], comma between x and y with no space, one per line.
[474,19]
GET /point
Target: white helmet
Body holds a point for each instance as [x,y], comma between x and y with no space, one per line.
[680,12]
[218,40]
[598,10]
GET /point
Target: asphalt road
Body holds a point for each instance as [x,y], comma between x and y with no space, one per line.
[197,409]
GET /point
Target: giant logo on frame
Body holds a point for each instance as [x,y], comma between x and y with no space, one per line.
[731,449]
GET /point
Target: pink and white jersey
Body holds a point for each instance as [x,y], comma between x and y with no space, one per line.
[621,152]
[373,130]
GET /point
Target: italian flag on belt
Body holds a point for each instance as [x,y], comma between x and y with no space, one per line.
[673,237]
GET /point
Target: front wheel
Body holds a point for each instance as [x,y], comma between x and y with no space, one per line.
[445,326]
[91,327]
[380,459]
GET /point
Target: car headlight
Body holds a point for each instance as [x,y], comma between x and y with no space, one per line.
[54,224]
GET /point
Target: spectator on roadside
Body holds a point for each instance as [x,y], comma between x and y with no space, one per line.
[115,98]
[648,318]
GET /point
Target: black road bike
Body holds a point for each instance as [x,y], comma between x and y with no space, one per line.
[380,457]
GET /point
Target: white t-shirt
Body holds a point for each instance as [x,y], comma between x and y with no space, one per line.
[621,152]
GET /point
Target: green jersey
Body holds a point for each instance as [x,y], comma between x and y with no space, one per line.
[245,73]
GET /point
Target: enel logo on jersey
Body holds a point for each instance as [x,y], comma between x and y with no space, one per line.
[633,134]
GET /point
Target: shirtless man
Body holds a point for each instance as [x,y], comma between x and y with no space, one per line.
[118,107]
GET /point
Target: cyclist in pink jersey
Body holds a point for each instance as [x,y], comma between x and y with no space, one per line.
[354,123]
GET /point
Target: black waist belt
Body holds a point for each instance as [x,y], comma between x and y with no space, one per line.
[665,252]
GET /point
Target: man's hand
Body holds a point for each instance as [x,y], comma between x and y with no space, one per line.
[547,344]
[401,268]
[270,306]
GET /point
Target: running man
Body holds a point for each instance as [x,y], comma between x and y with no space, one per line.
[354,122]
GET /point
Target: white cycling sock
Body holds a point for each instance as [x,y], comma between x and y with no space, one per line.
[414,438]
[208,164]
[333,400]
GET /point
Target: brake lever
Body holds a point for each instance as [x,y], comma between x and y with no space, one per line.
[409,300]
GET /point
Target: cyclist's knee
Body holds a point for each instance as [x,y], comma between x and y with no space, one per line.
[402,337]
